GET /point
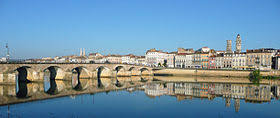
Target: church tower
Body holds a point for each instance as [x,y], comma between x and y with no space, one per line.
[81,51]
[229,50]
[238,44]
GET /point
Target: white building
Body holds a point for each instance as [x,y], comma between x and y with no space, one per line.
[219,61]
[228,60]
[59,59]
[116,59]
[100,60]
[239,61]
[129,59]
[3,59]
[157,58]
[183,60]
[140,60]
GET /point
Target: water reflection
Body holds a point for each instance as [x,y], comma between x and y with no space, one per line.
[118,83]
[231,95]
[76,83]
[99,83]
[21,89]
[143,80]
[50,86]
[21,85]
[248,92]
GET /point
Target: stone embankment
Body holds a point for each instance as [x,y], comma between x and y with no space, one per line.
[210,73]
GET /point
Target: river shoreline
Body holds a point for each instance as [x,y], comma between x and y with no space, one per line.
[211,73]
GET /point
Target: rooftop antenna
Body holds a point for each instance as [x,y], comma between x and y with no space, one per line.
[8,52]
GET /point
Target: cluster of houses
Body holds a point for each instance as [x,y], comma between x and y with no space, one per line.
[93,58]
[264,59]
[205,58]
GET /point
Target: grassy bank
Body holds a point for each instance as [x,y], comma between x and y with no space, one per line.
[256,77]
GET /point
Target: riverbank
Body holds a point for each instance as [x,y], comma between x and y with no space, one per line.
[198,79]
[211,73]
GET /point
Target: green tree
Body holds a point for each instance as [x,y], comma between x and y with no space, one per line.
[159,64]
[255,76]
[165,63]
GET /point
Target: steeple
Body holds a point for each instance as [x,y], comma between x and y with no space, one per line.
[238,44]
[8,52]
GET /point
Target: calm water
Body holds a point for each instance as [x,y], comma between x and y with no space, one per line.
[158,99]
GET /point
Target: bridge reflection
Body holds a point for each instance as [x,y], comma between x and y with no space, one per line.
[52,87]
[232,91]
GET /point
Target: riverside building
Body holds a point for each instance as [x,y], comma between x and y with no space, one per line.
[157,58]
[183,60]
[260,58]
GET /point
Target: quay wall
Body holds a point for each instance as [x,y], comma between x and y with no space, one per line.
[210,73]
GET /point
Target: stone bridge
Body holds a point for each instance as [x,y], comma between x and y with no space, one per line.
[35,72]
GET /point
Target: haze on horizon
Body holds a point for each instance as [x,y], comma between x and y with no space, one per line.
[36,29]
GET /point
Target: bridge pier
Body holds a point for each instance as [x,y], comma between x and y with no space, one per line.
[67,76]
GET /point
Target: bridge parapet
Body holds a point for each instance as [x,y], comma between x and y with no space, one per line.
[35,72]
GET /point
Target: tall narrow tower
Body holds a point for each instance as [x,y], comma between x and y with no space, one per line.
[8,52]
[236,105]
[81,51]
[238,44]
[229,50]
[84,52]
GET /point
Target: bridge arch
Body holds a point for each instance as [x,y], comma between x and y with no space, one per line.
[80,77]
[144,71]
[134,71]
[82,71]
[21,81]
[103,74]
[52,72]
[22,73]
[103,71]
[132,68]
[119,68]
[121,71]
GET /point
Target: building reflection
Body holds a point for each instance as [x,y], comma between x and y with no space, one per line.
[231,93]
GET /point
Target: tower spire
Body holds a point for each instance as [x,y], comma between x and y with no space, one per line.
[238,43]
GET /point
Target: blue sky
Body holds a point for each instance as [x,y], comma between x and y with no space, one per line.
[41,28]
